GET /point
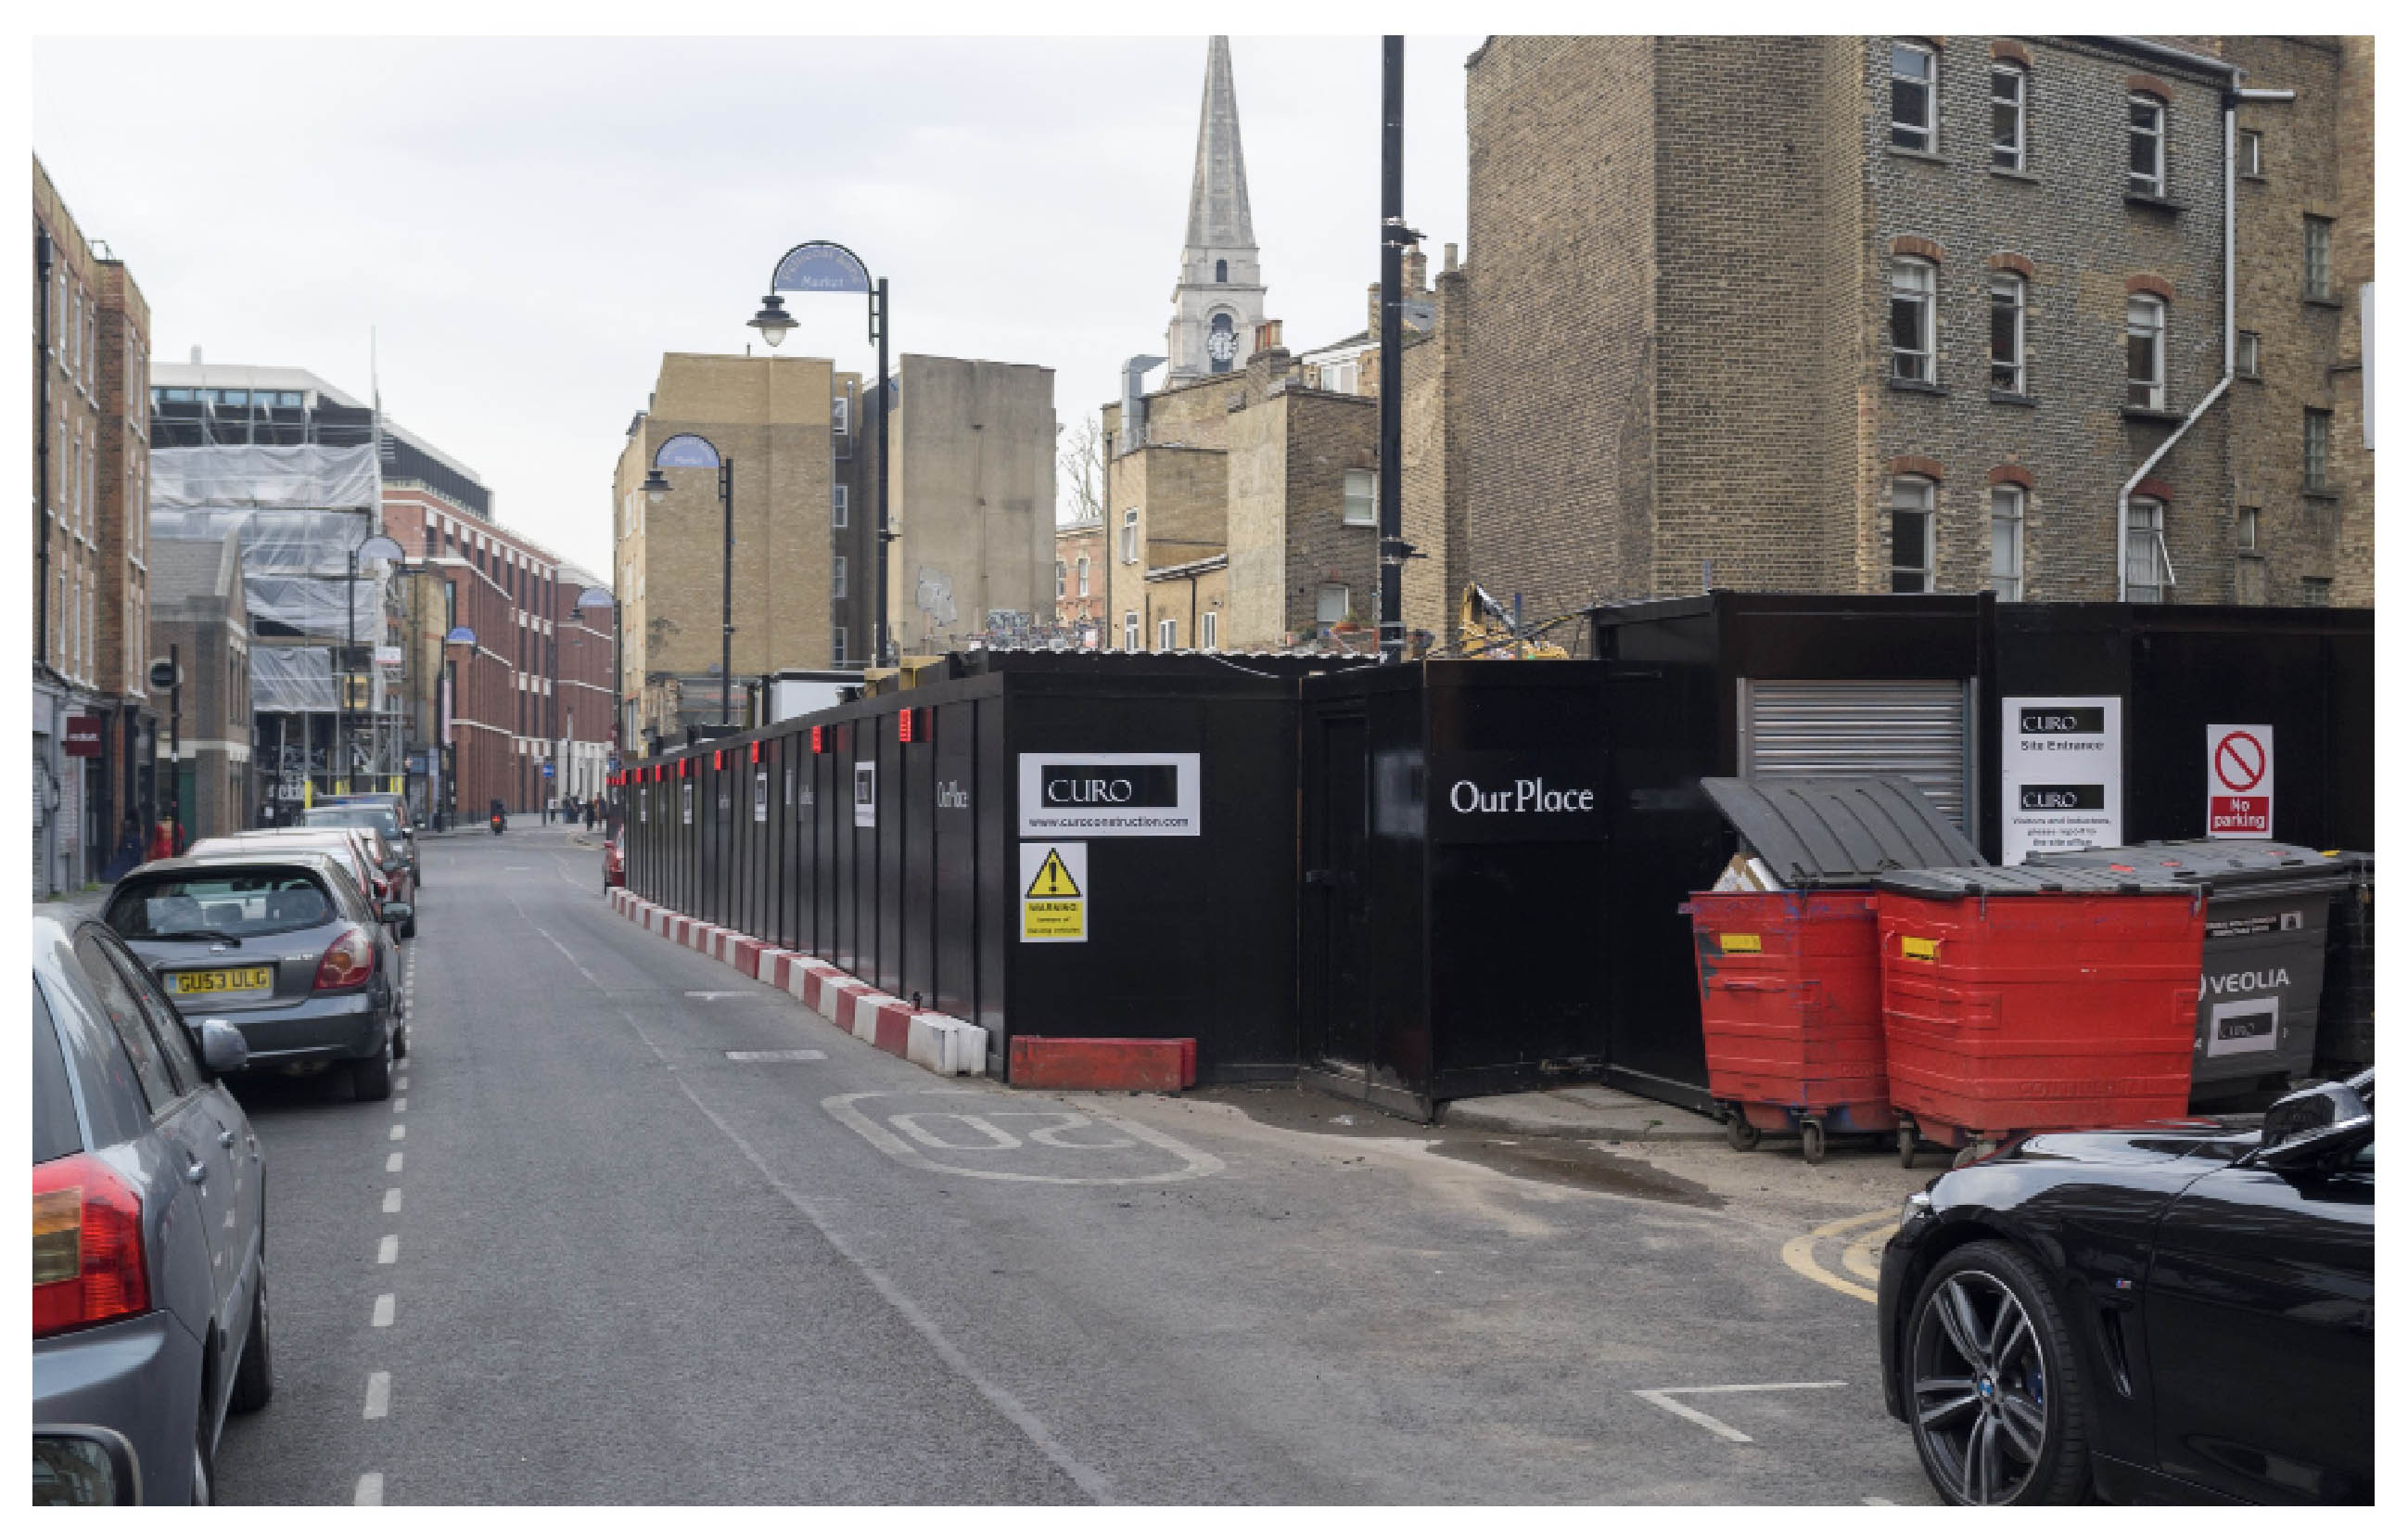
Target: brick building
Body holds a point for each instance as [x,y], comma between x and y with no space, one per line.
[1852,314]
[1078,556]
[93,727]
[790,428]
[197,616]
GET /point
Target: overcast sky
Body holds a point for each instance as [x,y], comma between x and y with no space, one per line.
[529,224]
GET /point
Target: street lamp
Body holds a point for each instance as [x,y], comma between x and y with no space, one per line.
[692,451]
[823,266]
[598,597]
[462,639]
[375,547]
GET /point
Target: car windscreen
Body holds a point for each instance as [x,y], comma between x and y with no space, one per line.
[214,904]
[374,816]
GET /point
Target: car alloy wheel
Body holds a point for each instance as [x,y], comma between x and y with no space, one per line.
[1981,1388]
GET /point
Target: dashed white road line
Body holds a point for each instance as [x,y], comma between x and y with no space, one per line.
[388,1249]
[370,1492]
[402,1083]
[393,1201]
[382,1315]
[400,1132]
[401,1106]
[393,1163]
[379,1395]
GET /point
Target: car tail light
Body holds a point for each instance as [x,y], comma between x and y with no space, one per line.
[88,1263]
[348,962]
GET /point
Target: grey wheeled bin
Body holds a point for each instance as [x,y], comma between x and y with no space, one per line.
[2262,966]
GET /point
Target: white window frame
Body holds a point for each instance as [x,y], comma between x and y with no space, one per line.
[1082,575]
[840,506]
[2249,151]
[1914,280]
[1341,378]
[840,414]
[2007,373]
[2152,134]
[2144,318]
[840,574]
[1368,502]
[836,645]
[2245,530]
[2007,152]
[1129,630]
[2247,350]
[1166,634]
[1322,604]
[1128,539]
[2007,506]
[1209,629]
[1921,137]
[2148,569]
[1912,495]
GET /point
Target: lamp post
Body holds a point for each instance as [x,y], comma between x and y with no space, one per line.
[1394,237]
[375,547]
[692,451]
[823,266]
[464,639]
[599,597]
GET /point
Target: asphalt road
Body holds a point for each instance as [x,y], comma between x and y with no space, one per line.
[587,1256]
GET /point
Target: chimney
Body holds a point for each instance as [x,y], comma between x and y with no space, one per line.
[1372,324]
[1450,256]
[1416,271]
[196,356]
[1267,335]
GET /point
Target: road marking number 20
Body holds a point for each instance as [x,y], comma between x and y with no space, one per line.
[1019,1145]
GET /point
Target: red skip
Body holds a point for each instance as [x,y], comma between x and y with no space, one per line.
[1154,1065]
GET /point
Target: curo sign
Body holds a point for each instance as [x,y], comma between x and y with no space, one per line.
[1110,794]
[1516,796]
[2060,775]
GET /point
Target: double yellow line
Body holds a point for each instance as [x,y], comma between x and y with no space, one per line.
[1863,1236]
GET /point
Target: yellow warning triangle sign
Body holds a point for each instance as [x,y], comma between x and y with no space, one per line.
[1053,880]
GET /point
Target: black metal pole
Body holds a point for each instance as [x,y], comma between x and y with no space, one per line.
[1392,348]
[877,315]
[726,585]
[350,642]
[175,738]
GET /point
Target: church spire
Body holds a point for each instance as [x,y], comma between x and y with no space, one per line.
[1219,301]
[1218,214]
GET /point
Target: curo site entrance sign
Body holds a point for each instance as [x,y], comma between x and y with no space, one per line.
[1110,794]
[2061,775]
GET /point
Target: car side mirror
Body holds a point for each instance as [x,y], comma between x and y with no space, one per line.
[2311,1125]
[397,912]
[84,1466]
[223,1048]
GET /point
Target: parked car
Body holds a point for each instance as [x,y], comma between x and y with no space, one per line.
[2179,1313]
[277,942]
[614,861]
[151,1318]
[384,877]
[386,813]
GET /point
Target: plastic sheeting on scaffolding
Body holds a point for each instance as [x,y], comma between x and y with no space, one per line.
[256,478]
[294,680]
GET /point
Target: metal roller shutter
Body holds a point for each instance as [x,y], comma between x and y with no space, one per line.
[1923,730]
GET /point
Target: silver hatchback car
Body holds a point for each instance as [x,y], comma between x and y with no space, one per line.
[150,1223]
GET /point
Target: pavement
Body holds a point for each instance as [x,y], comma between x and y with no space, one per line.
[636,1230]
[1585,1114]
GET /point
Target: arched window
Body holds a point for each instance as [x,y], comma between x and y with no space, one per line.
[1220,271]
[1912,285]
[1910,533]
[2144,338]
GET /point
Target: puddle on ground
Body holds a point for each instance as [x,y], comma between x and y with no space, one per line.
[1562,1161]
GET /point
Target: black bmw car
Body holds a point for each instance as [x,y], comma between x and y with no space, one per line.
[2183,1312]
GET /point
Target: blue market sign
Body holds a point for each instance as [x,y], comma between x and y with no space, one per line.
[686,451]
[820,266]
[461,636]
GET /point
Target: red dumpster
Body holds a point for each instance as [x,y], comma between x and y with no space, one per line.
[1789,987]
[2032,998]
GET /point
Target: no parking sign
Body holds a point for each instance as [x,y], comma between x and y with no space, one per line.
[2240,781]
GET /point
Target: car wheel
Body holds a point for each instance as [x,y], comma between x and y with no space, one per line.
[401,1043]
[1996,1399]
[254,1374]
[372,1079]
[409,929]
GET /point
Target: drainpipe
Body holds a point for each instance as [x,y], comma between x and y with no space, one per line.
[2233,99]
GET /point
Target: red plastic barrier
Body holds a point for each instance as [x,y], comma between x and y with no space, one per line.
[1158,1066]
